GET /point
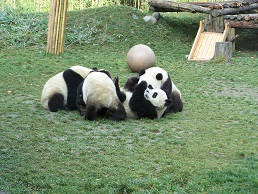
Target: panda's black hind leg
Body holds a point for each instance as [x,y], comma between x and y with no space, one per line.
[56,102]
[177,105]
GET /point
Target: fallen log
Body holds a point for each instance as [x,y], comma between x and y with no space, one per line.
[229,11]
[176,7]
[226,4]
[242,24]
[246,17]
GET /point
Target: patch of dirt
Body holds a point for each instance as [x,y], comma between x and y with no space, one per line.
[242,91]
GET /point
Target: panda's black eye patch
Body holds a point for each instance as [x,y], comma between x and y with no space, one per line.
[154,95]
[150,87]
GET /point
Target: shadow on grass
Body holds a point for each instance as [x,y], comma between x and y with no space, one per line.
[247,40]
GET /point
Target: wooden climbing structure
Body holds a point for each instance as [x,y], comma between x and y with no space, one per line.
[239,14]
[203,48]
[219,24]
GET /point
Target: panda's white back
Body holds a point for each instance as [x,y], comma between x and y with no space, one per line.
[82,71]
[55,84]
[99,89]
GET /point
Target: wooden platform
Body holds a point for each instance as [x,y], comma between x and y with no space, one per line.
[204,44]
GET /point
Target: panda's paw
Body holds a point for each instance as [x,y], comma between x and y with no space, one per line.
[131,83]
[142,84]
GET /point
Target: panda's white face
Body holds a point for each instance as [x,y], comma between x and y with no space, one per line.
[154,76]
[157,97]
[152,82]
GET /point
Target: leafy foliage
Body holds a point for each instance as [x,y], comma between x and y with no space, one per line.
[22,30]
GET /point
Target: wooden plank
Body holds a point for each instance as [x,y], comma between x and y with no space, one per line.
[196,40]
[204,47]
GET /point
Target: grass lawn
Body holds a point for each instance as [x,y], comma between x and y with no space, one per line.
[210,147]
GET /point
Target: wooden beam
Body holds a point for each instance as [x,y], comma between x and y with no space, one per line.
[246,17]
[229,11]
[242,24]
[226,4]
[176,7]
[196,40]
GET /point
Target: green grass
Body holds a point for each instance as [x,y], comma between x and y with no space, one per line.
[210,147]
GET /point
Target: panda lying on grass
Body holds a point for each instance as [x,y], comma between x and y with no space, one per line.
[96,95]
[151,94]
[59,92]
[158,78]
[141,102]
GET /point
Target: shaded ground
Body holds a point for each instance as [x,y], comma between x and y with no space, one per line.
[247,39]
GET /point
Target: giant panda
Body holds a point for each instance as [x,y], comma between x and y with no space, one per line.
[142,102]
[157,77]
[59,92]
[97,95]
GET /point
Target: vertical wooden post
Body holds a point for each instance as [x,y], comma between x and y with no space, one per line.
[56,26]
[231,36]
[214,24]
[223,49]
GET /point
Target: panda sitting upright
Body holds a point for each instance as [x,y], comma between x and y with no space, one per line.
[59,92]
[157,77]
[140,101]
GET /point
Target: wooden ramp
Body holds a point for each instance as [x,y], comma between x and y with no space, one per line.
[204,44]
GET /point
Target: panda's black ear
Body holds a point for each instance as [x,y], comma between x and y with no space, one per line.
[94,68]
[159,76]
[106,72]
[168,102]
[141,72]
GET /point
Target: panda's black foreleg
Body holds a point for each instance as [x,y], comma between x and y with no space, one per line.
[121,95]
[141,106]
[81,106]
[131,83]
[118,114]
[90,112]
[137,100]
